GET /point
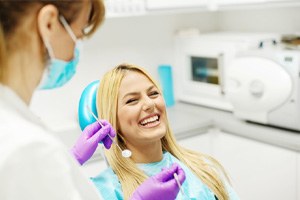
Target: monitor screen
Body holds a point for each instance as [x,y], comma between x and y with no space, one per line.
[205,70]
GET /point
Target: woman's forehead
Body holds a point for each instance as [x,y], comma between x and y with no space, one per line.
[134,81]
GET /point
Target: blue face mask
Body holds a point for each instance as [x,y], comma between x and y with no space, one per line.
[59,72]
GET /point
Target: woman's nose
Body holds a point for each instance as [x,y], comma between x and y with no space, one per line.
[148,104]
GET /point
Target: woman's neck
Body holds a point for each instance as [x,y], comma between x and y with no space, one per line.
[147,153]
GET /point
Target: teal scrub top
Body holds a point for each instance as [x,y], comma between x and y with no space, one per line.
[109,186]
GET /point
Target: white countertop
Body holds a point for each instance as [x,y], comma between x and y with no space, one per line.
[227,122]
[187,123]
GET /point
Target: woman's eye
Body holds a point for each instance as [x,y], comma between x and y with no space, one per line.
[130,101]
[154,93]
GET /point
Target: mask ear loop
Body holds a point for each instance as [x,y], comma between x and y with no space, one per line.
[68,28]
[48,47]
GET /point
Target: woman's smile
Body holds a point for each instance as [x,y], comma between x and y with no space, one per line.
[150,121]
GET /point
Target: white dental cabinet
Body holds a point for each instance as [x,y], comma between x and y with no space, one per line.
[263,162]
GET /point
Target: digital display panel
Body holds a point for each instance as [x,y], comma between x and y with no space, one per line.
[205,70]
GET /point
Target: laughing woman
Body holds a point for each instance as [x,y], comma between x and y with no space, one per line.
[132,102]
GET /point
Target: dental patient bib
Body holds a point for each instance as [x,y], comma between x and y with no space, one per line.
[110,188]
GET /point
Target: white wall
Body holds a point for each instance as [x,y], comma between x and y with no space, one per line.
[148,42]
[143,40]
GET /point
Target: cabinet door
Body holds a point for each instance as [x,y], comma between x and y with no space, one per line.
[201,143]
[266,1]
[258,171]
[238,2]
[249,2]
[169,4]
[121,8]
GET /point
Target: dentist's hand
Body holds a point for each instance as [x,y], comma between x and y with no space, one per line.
[161,186]
[88,141]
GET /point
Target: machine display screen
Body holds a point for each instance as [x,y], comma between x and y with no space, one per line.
[205,69]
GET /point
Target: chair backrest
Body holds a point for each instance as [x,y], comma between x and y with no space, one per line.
[88,98]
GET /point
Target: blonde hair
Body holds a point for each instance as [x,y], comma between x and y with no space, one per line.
[130,176]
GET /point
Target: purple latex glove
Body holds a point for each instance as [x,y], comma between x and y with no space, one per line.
[161,186]
[88,141]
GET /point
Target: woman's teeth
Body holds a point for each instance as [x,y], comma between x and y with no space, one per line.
[149,120]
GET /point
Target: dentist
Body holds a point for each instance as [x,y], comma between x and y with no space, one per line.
[38,50]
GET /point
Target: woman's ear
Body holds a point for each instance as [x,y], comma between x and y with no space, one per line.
[47,21]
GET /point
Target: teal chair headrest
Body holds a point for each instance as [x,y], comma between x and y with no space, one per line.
[88,98]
